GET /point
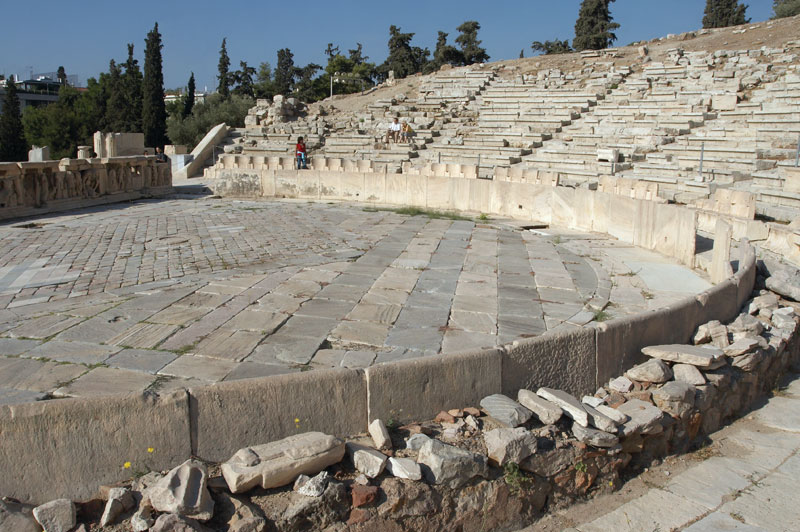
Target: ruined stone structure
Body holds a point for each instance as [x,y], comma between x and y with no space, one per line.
[33,188]
[665,156]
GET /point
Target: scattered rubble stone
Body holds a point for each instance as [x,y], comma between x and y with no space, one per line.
[613,414]
[366,459]
[315,513]
[177,523]
[315,486]
[700,356]
[363,495]
[600,421]
[749,361]
[509,445]
[505,410]
[785,282]
[450,465]
[404,468]
[596,438]
[12,519]
[142,518]
[416,441]
[643,418]
[380,435]
[183,491]
[407,499]
[444,417]
[279,463]
[688,374]
[745,325]
[653,370]
[547,412]
[119,500]
[675,398]
[592,400]
[56,516]
[621,384]
[741,347]
[568,403]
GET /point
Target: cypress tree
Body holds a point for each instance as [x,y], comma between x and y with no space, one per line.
[724,13]
[154,111]
[402,58]
[224,76]
[594,29]
[114,115]
[284,72]
[188,100]
[131,85]
[62,75]
[13,147]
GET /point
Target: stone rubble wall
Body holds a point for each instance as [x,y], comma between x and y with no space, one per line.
[30,188]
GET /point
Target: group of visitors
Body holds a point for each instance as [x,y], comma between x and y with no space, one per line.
[398,132]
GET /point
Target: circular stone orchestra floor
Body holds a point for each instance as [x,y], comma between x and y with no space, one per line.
[174,293]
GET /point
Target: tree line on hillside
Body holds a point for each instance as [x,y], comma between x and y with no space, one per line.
[129,99]
[594,28]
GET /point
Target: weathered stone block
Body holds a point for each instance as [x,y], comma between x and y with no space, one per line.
[281,462]
[329,401]
[530,364]
[431,384]
[88,441]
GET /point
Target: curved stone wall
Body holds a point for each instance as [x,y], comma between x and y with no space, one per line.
[68,448]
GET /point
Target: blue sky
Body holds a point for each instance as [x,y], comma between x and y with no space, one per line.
[84,35]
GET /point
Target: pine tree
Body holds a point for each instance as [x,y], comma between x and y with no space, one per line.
[594,29]
[131,85]
[724,13]
[786,8]
[284,72]
[402,59]
[13,147]
[188,100]
[224,76]
[469,43]
[244,80]
[154,111]
[552,47]
[444,54]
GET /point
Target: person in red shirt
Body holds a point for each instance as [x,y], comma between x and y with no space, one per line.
[300,152]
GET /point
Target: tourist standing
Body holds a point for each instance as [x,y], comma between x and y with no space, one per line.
[300,153]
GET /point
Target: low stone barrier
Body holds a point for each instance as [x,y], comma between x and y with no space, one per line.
[668,229]
[68,448]
[35,188]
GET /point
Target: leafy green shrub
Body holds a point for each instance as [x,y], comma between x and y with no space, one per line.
[214,110]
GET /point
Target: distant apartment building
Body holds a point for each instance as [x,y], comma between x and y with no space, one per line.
[32,92]
[199,97]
